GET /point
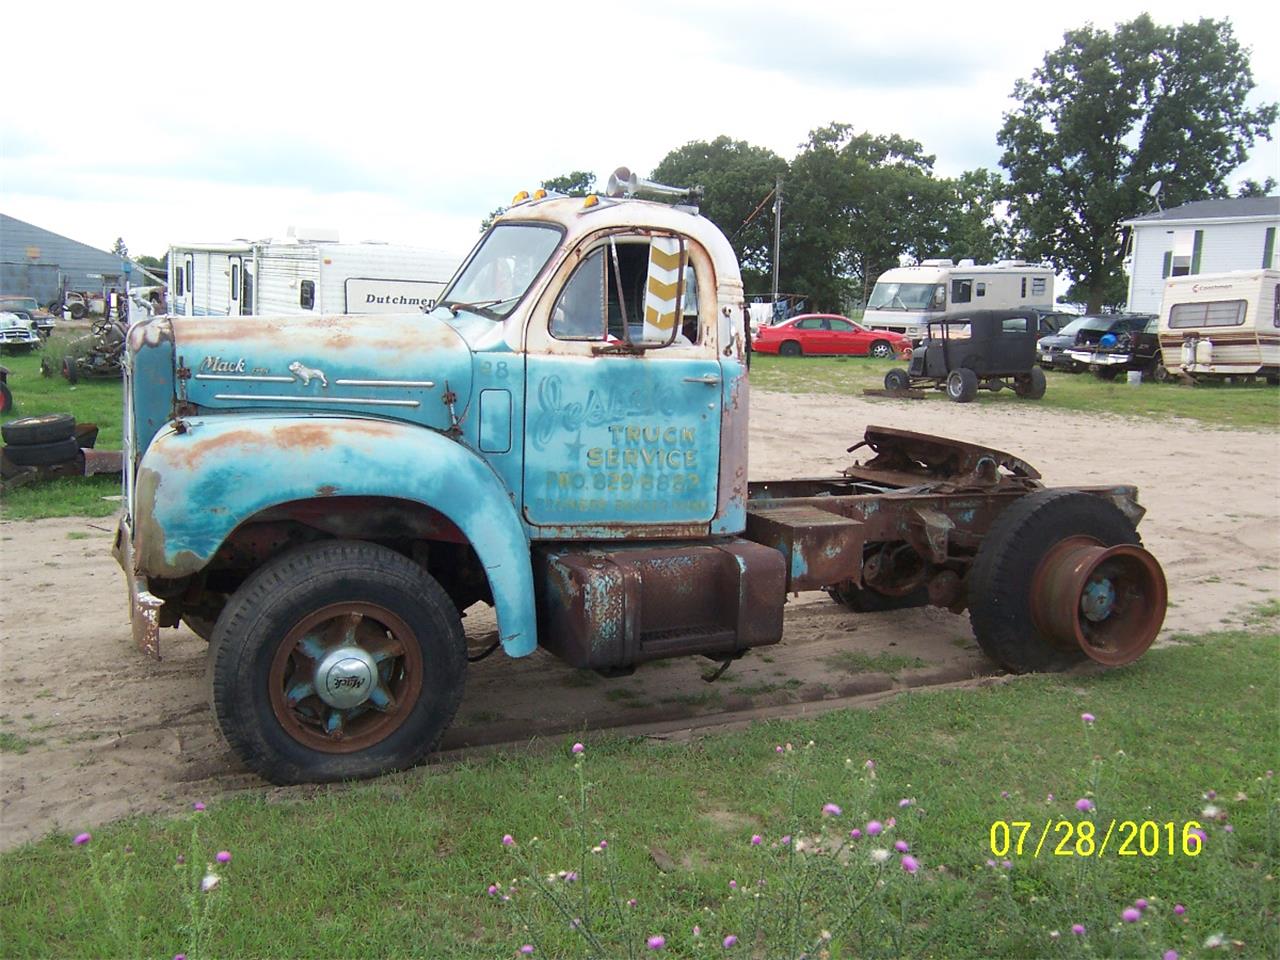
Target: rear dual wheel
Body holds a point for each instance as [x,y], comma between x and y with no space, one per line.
[1061,577]
[337,661]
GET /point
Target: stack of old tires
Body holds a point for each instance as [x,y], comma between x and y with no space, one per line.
[45,441]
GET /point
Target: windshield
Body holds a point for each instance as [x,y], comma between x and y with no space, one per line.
[901,296]
[500,271]
[1084,323]
[18,303]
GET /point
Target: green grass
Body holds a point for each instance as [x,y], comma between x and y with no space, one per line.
[12,743]
[96,401]
[399,867]
[1250,406]
[851,661]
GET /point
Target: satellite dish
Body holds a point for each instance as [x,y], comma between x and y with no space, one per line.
[1154,190]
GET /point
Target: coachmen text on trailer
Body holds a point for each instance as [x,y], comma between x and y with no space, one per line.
[564,436]
[306,275]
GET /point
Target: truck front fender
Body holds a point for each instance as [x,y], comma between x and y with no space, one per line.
[198,482]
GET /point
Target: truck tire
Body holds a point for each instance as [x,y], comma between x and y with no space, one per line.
[1004,571]
[1030,386]
[962,385]
[360,624]
[47,428]
[77,310]
[864,600]
[42,454]
[790,349]
[882,350]
[70,370]
[897,379]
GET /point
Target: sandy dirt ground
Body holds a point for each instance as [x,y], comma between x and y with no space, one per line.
[109,733]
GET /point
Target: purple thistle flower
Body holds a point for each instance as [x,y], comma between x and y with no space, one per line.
[1211,795]
[1007,864]
[508,840]
[493,889]
[830,810]
[1004,794]
[697,930]
[756,839]
[198,807]
[786,841]
[1200,839]
[656,942]
[1078,929]
[1084,804]
[1131,915]
[578,748]
[1228,828]
[604,844]
[874,828]
[181,859]
[909,864]
[527,949]
[224,856]
[855,833]
[991,864]
[82,838]
[733,884]
[179,956]
[901,846]
[1088,717]
[571,876]
[1170,955]
[778,748]
[1179,909]
[1141,903]
[730,942]
[891,823]
[906,801]
[870,764]
[632,902]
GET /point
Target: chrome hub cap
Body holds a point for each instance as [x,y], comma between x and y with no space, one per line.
[345,677]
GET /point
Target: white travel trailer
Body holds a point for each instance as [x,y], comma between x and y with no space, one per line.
[904,298]
[303,275]
[1222,324]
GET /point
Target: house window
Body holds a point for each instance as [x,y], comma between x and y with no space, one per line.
[1184,247]
[307,294]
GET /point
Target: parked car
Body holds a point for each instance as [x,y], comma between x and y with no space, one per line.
[829,333]
[1052,349]
[27,307]
[1130,342]
[972,350]
[17,331]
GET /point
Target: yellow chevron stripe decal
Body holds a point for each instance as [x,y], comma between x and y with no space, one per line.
[663,291]
[659,321]
[664,259]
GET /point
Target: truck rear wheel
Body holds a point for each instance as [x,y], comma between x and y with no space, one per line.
[1062,576]
[337,661]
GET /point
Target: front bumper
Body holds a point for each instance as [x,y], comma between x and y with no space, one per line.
[1100,359]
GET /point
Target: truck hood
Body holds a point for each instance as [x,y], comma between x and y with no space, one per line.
[410,367]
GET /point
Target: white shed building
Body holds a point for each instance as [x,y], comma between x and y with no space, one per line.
[1205,236]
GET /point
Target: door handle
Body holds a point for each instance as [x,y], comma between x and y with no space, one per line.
[709,378]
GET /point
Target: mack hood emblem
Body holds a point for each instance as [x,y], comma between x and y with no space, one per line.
[307,374]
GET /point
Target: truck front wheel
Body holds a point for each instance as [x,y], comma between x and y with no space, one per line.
[337,661]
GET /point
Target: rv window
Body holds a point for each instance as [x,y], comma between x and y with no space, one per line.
[235,281]
[1275,307]
[307,295]
[246,302]
[178,285]
[1220,313]
[191,277]
[982,290]
[1024,286]
[961,291]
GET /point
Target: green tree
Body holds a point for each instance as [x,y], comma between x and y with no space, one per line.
[119,248]
[737,180]
[854,206]
[1106,115]
[970,220]
[1252,188]
[579,183]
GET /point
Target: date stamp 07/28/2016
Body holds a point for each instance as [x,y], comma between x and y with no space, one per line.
[1087,838]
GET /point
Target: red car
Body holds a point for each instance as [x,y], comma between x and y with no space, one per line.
[812,333]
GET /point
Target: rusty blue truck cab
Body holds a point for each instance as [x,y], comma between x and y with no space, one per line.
[563,436]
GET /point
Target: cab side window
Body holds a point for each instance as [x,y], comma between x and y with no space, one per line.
[629,291]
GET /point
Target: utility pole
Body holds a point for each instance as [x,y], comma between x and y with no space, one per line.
[777,235]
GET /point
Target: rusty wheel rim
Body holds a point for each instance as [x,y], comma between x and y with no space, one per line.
[1109,602]
[357,634]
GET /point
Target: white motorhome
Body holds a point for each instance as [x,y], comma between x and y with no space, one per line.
[1222,324]
[904,298]
[310,274]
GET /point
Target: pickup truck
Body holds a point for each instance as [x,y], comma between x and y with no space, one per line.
[563,436]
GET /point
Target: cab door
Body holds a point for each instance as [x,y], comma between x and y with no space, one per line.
[623,392]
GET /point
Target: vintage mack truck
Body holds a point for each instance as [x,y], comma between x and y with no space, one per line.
[564,437]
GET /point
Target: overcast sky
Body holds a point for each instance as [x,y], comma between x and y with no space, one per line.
[193,122]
